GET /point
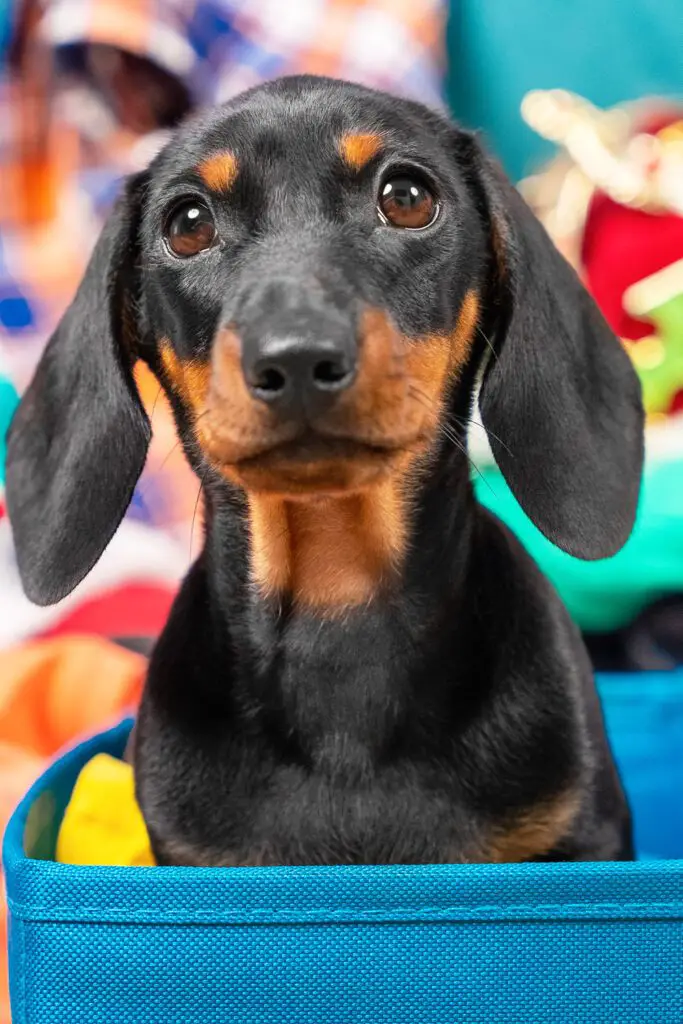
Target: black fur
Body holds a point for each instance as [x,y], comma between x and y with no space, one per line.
[461,698]
[79,438]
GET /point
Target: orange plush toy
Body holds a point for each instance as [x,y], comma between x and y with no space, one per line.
[52,692]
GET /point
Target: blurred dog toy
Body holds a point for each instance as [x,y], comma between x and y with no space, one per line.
[613,203]
[102,823]
[659,356]
[9,400]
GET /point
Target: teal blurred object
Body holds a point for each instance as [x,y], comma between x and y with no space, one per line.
[608,594]
[605,50]
[6,19]
[8,403]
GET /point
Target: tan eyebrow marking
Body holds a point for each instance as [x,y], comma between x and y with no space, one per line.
[357,149]
[219,171]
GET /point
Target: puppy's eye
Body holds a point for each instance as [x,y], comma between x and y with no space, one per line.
[190,229]
[404,202]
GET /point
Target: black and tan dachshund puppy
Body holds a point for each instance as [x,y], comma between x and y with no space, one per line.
[363,665]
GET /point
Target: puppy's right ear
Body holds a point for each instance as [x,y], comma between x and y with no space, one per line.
[559,397]
[79,438]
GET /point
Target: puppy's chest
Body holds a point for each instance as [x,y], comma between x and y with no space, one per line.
[349,797]
[295,815]
[341,755]
[391,816]
[320,776]
[341,686]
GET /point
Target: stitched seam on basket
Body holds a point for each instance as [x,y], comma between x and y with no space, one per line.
[22,960]
[321,913]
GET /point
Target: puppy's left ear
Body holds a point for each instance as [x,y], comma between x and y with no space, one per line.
[559,398]
[78,441]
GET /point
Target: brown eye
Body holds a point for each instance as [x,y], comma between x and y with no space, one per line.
[405,203]
[190,229]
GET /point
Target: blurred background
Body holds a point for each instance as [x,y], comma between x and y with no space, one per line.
[582,102]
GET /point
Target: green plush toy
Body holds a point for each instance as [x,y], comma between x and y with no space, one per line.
[608,594]
[659,358]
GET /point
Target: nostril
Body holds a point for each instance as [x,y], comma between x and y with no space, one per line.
[269,382]
[294,372]
[332,375]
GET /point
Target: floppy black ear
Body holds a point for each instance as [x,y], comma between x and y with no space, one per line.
[78,441]
[559,399]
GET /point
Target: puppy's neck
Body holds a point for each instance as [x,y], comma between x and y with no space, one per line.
[331,554]
[323,558]
[336,610]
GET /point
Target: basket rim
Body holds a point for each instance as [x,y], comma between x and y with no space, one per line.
[41,890]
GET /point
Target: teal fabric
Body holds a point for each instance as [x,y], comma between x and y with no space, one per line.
[607,50]
[586,943]
[608,594]
[8,403]
[6,20]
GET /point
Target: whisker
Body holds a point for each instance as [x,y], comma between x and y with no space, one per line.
[154,405]
[167,457]
[419,393]
[461,420]
[465,423]
[452,436]
[179,442]
[450,433]
[196,506]
[488,342]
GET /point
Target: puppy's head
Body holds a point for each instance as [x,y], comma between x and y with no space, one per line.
[315,272]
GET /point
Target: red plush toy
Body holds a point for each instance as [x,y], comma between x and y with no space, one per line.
[622,244]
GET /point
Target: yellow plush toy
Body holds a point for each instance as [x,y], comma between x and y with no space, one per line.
[102,823]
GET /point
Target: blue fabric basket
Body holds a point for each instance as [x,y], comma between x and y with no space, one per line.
[389,945]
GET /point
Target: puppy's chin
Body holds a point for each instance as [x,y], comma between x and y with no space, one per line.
[313,468]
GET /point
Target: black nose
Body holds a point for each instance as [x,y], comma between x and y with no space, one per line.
[284,370]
